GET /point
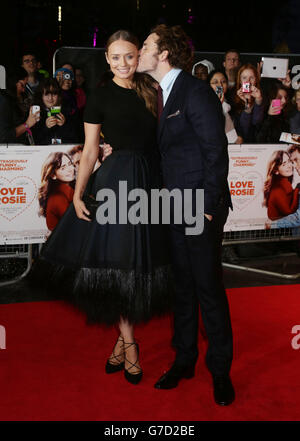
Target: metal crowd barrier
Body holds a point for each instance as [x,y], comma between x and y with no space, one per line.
[230,238]
[261,236]
[16,252]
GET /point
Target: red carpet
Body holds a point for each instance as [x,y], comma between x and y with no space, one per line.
[53,365]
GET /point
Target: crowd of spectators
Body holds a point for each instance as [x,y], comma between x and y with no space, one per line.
[37,108]
[41,109]
[256,109]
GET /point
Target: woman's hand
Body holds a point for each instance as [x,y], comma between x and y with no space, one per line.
[51,121]
[241,95]
[81,211]
[256,93]
[273,110]
[60,119]
[32,118]
[259,68]
[239,140]
[221,97]
[245,97]
[287,82]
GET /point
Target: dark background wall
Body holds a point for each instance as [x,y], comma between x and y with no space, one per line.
[257,26]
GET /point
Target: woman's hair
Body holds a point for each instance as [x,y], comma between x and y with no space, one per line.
[70,64]
[214,72]
[273,91]
[275,161]
[177,43]
[237,100]
[52,163]
[49,85]
[76,149]
[142,83]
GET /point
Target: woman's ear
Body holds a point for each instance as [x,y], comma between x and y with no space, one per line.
[106,56]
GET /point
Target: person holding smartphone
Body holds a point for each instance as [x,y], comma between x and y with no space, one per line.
[218,80]
[54,126]
[16,117]
[277,119]
[248,108]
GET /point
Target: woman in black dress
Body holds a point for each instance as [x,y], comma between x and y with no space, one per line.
[117,273]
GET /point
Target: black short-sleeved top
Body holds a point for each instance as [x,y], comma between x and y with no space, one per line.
[125,121]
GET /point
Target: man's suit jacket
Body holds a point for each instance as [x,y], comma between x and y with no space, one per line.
[193,143]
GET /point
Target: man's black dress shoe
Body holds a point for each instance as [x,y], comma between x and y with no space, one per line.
[171,378]
[223,390]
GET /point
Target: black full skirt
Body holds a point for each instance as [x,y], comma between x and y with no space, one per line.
[113,270]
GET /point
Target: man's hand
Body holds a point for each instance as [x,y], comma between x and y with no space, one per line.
[107,150]
[208,216]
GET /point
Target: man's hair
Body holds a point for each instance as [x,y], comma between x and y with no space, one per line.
[294,148]
[232,50]
[177,43]
[29,52]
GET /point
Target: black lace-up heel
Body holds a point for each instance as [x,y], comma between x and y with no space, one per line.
[117,365]
[133,378]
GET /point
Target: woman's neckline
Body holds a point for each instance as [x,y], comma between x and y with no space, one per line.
[121,87]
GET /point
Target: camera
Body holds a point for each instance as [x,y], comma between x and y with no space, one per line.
[246,87]
[66,76]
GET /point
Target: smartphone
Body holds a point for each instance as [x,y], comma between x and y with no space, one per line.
[219,91]
[246,87]
[276,103]
[54,111]
[35,109]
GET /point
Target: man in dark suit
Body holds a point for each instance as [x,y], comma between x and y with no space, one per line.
[194,155]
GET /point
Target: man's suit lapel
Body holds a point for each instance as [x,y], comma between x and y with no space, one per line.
[168,106]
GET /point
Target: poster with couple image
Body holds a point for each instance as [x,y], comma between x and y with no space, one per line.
[263,185]
[37,185]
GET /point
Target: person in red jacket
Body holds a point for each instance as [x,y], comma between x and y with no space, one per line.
[57,187]
[279,196]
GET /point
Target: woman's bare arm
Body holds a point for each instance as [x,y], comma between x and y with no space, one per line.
[86,166]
